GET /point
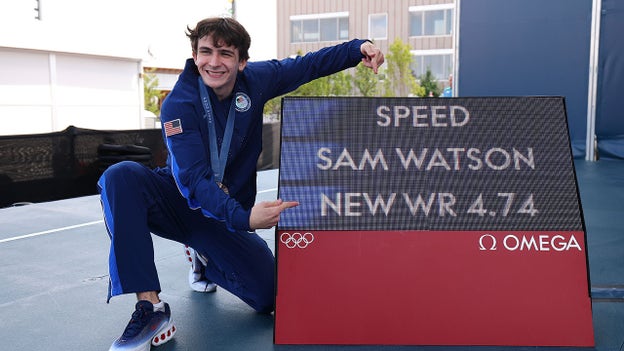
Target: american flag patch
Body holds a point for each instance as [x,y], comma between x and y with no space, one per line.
[173,127]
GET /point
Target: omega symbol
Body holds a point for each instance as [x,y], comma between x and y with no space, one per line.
[487,242]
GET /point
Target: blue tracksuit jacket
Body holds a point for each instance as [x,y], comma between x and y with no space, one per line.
[189,152]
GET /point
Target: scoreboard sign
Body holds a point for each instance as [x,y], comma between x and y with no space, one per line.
[430,221]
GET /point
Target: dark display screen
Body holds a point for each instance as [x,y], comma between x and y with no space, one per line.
[499,163]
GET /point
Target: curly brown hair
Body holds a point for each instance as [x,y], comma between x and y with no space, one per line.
[225,31]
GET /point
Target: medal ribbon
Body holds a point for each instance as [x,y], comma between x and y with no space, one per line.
[218,158]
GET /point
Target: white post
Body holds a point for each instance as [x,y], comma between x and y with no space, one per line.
[590,142]
[53,85]
[456,77]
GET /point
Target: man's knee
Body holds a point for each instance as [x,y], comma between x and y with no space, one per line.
[123,169]
[120,173]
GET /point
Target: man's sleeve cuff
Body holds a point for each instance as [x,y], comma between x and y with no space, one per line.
[240,219]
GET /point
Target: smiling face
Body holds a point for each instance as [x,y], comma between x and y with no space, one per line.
[218,65]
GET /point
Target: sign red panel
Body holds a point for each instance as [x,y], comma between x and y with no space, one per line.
[433,288]
[476,238]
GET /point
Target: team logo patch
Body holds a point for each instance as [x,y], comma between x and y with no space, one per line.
[242,102]
[173,127]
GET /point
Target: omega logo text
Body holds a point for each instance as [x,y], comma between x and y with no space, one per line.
[524,242]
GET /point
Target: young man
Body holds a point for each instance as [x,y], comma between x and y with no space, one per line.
[204,198]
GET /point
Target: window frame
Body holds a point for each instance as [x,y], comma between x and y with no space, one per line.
[436,52]
[297,21]
[370,26]
[423,9]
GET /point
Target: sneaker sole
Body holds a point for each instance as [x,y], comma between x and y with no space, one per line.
[165,334]
[202,286]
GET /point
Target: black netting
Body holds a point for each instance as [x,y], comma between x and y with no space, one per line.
[46,167]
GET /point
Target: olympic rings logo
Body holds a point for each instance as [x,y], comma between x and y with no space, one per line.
[297,240]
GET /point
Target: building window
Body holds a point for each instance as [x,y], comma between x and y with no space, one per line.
[431,20]
[378,26]
[319,27]
[440,62]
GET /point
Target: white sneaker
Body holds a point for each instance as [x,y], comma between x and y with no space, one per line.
[197,279]
[146,327]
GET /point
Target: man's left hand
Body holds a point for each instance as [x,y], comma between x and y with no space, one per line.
[373,57]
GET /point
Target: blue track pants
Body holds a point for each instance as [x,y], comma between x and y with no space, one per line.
[137,201]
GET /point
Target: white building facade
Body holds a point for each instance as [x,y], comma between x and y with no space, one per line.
[80,63]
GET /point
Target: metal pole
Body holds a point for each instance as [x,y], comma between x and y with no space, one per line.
[455,84]
[592,91]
